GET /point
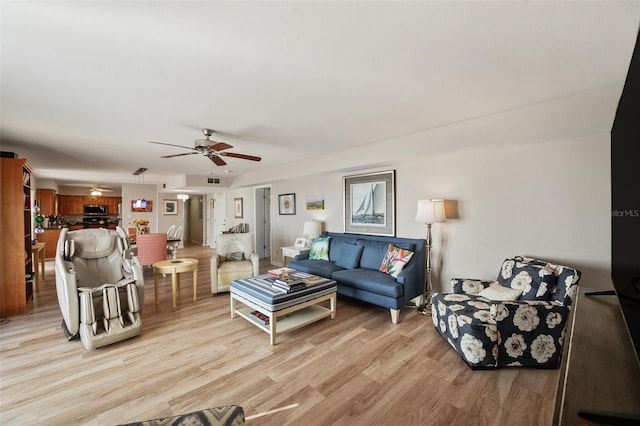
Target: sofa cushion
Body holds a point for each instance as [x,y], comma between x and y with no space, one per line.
[374,252]
[319,248]
[394,260]
[349,256]
[315,267]
[536,281]
[367,280]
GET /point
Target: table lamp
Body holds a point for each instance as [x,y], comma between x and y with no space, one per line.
[311,230]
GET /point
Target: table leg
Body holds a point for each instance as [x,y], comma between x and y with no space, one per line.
[155,280]
[178,288]
[36,266]
[174,284]
[333,306]
[195,285]
[272,329]
[42,259]
[233,306]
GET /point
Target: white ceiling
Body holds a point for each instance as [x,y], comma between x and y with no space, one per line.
[86,85]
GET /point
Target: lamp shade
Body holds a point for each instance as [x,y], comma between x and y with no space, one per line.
[312,228]
[430,211]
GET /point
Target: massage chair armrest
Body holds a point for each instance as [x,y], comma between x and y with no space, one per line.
[469,285]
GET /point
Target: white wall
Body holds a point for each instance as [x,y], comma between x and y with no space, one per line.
[550,200]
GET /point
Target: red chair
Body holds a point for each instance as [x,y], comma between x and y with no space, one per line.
[152,248]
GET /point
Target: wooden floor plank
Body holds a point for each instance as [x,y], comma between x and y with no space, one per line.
[356,369]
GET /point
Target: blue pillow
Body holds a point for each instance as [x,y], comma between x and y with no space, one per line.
[349,256]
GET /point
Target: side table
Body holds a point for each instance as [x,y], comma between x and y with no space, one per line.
[175,267]
[291,252]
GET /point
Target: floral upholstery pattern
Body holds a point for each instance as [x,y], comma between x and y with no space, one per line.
[524,332]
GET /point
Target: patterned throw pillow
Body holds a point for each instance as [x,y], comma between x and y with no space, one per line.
[536,281]
[319,248]
[394,260]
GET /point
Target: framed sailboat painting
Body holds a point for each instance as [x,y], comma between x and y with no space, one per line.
[369,203]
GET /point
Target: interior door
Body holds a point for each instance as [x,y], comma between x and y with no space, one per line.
[263,222]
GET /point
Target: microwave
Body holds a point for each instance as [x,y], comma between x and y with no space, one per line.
[95,210]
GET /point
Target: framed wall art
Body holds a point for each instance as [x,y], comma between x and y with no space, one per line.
[317,204]
[369,203]
[170,207]
[237,208]
[287,204]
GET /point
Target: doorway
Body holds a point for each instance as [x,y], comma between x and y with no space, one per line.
[263,222]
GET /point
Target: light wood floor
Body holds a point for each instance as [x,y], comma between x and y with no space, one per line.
[359,369]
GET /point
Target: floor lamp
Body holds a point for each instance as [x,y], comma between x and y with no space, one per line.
[429,212]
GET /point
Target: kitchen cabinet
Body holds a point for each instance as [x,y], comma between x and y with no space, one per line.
[113,202]
[70,204]
[74,204]
[16,268]
[94,200]
[49,236]
[47,200]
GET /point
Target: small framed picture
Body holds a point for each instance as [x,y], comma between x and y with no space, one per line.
[300,242]
[170,207]
[237,208]
[287,204]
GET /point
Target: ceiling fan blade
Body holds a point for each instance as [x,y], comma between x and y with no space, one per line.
[170,144]
[242,156]
[217,160]
[179,155]
[220,146]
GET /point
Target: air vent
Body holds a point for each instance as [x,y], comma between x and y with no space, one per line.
[213,180]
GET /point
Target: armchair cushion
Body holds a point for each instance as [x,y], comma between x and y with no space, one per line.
[497,292]
[536,281]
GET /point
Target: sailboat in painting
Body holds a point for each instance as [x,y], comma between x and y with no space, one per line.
[369,203]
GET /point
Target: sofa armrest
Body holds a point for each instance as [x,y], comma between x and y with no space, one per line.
[469,285]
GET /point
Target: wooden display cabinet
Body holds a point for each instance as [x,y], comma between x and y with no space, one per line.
[16,272]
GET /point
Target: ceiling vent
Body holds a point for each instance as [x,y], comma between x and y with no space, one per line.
[213,180]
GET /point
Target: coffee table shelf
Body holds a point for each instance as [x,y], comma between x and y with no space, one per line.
[288,319]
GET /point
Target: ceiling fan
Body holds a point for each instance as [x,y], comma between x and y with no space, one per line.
[211,149]
[97,190]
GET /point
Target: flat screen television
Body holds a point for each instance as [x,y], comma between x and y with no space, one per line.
[625,221]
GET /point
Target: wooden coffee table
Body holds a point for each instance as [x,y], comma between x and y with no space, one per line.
[175,267]
[286,312]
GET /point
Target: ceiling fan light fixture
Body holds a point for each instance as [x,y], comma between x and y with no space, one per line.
[96,193]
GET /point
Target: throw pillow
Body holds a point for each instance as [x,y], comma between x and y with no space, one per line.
[534,280]
[394,260]
[319,248]
[349,256]
[500,293]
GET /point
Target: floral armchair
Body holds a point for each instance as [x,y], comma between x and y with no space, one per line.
[517,320]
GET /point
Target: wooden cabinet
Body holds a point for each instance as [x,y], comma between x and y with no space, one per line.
[73,204]
[70,204]
[49,236]
[16,273]
[113,202]
[48,201]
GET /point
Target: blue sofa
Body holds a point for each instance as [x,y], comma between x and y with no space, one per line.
[360,278]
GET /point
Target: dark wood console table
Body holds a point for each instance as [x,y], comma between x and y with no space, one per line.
[599,369]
